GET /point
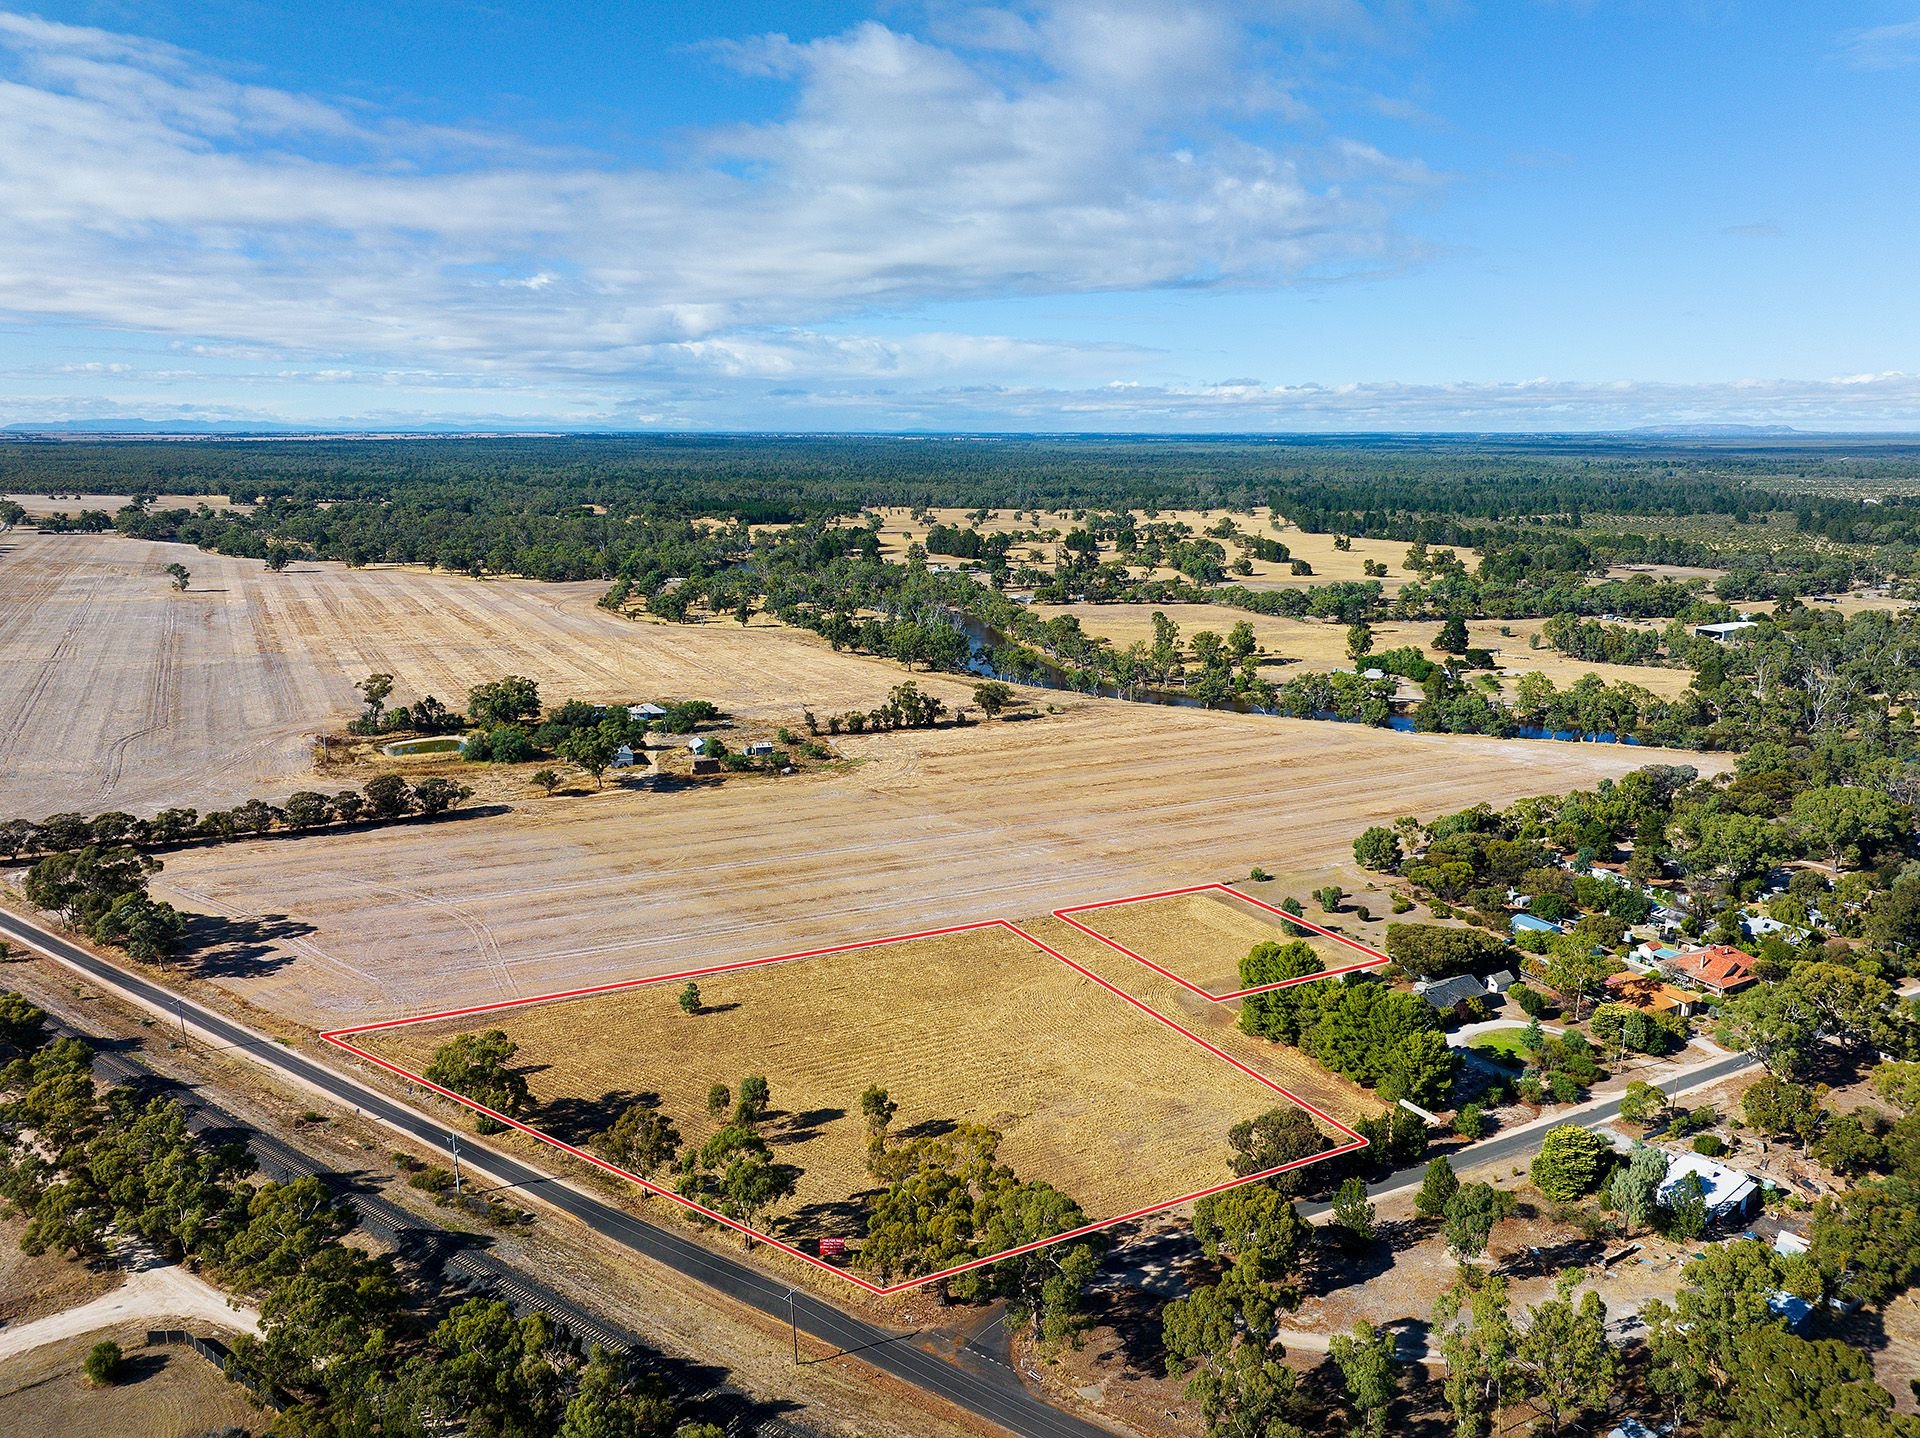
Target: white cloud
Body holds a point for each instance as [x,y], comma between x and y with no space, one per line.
[1883,47]
[1888,401]
[146,192]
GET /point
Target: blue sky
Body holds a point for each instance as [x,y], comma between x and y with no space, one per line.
[1324,215]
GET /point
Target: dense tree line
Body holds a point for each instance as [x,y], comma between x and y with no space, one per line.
[384,799]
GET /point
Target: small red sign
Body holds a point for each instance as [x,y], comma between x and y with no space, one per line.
[833,1248]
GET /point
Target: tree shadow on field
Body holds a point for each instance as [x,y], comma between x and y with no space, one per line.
[218,947]
[1137,1318]
[835,1218]
[576,1120]
[139,1366]
[1335,1263]
[926,1128]
[802,1127]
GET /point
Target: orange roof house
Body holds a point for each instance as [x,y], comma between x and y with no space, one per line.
[1719,968]
[1650,994]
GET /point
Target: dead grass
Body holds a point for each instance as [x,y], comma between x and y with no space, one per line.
[899,529]
[32,1288]
[1090,1093]
[1203,937]
[40,504]
[169,1392]
[1315,645]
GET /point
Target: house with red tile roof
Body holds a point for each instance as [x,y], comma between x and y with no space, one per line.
[1649,994]
[1718,968]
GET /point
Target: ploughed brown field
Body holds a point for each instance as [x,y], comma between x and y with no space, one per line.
[1101,1099]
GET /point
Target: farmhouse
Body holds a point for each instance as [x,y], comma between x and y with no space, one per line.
[645,711]
[1721,633]
[1451,996]
[1729,1193]
[1718,968]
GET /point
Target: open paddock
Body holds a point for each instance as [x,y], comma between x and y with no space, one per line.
[1197,938]
[924,829]
[118,692]
[899,529]
[38,506]
[1321,646]
[1100,1094]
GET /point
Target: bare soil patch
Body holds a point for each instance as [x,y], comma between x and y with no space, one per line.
[32,1288]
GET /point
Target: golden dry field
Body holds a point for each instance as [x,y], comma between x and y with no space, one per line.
[115,691]
[1203,937]
[1090,1093]
[40,504]
[118,692]
[899,529]
[1319,645]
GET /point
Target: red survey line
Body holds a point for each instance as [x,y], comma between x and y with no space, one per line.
[340,1038]
[1373,960]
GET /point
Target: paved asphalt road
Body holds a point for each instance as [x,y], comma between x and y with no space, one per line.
[1513,1143]
[980,1386]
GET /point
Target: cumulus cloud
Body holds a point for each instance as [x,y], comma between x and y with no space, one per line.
[146,192]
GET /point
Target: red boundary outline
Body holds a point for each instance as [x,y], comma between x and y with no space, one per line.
[1373,960]
[339,1038]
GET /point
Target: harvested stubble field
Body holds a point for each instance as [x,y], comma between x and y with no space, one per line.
[1090,1093]
[41,504]
[118,692]
[1203,937]
[927,829]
